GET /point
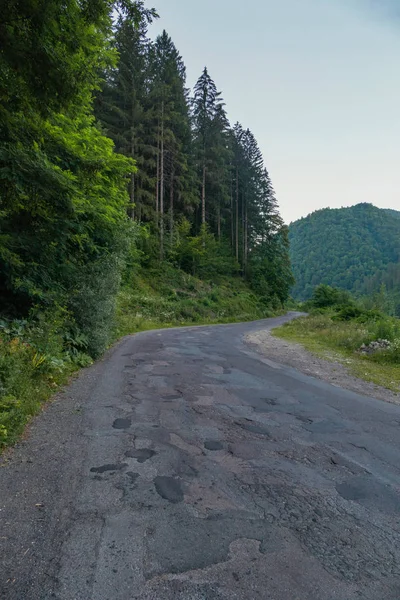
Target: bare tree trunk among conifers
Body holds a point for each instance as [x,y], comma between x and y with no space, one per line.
[171,206]
[132,186]
[162,185]
[232,219]
[237,214]
[158,177]
[244,202]
[203,197]
[132,196]
[246,241]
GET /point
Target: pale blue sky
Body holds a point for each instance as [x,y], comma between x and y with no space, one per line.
[318,83]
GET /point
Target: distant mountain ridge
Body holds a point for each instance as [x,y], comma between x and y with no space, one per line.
[392,212]
[355,248]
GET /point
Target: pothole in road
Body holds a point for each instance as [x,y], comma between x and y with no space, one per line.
[325,426]
[171,397]
[253,428]
[370,492]
[213,446]
[301,418]
[107,468]
[270,401]
[141,455]
[169,489]
[122,423]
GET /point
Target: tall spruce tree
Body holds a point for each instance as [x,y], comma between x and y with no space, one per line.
[168,101]
[208,120]
[219,172]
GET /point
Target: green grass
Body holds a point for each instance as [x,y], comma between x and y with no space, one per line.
[339,341]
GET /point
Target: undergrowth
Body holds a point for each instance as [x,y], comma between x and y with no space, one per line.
[36,356]
[170,297]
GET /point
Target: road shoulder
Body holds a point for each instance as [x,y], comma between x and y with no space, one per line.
[333,372]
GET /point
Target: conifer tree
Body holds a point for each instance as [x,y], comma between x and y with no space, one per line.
[168,102]
[207,113]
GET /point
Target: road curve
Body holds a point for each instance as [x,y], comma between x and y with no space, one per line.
[183,466]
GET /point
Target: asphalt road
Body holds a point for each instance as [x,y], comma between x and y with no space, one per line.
[183,466]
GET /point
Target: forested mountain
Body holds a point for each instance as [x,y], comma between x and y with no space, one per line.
[109,163]
[357,249]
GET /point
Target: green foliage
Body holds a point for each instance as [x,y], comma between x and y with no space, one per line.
[63,188]
[355,249]
[50,53]
[386,329]
[63,199]
[202,255]
[325,296]
[34,360]
[93,303]
[349,312]
[269,272]
[166,296]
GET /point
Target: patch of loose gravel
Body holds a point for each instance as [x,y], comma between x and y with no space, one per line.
[296,356]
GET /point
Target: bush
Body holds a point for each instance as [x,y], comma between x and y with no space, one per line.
[387,329]
[93,304]
[370,316]
[33,361]
[347,313]
[325,296]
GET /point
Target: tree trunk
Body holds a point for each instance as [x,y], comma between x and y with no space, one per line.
[132,196]
[158,176]
[219,222]
[232,217]
[171,206]
[246,241]
[132,190]
[243,229]
[203,197]
[162,185]
[237,214]
[132,186]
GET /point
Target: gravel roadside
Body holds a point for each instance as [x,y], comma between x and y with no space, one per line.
[294,355]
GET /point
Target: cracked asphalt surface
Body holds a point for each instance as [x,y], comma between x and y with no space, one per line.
[184,466]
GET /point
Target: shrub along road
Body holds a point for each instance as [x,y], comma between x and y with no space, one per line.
[183,465]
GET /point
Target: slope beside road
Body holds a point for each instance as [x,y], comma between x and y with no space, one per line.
[186,466]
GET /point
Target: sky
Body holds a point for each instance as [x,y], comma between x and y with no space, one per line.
[317,82]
